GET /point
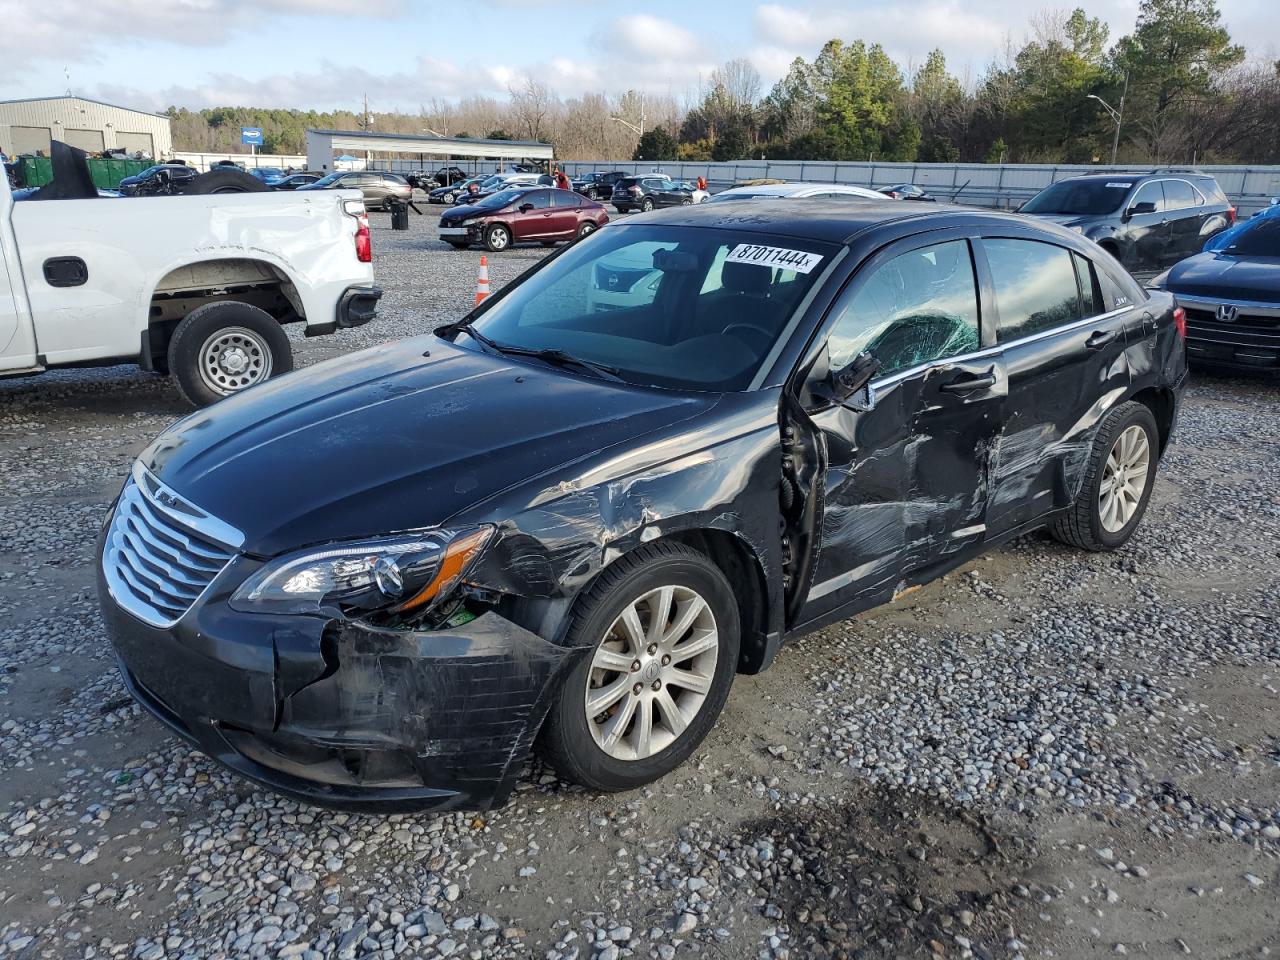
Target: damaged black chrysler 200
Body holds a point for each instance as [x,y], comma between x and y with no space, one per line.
[571,518]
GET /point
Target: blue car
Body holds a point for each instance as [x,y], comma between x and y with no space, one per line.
[1231,295]
[1224,239]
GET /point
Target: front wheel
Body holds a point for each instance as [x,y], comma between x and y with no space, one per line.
[225,347]
[497,238]
[1120,475]
[662,636]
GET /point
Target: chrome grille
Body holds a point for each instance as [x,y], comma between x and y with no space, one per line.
[162,551]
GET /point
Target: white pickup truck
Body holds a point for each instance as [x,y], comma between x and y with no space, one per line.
[194,286]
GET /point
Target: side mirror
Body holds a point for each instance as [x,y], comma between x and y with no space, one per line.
[525,207]
[1140,208]
[853,379]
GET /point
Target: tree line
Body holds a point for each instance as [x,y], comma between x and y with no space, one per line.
[1189,94]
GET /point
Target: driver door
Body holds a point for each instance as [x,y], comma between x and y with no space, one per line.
[533,223]
[905,488]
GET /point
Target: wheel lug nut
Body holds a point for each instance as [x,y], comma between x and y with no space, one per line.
[635,666]
[637,688]
[657,684]
[653,648]
[666,661]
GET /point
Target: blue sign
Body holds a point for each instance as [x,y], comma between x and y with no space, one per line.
[251,136]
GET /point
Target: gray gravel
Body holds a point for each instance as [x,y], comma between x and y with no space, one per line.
[1047,753]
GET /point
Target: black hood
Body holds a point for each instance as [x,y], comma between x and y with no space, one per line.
[388,439]
[1217,274]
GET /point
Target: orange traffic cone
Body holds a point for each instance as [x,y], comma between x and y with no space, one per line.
[482,281]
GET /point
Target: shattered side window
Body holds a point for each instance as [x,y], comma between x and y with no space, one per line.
[918,307]
[1035,286]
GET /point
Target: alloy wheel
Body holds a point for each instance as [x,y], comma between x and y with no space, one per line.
[651,673]
[1124,478]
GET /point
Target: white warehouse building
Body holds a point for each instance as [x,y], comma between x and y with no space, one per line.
[27,126]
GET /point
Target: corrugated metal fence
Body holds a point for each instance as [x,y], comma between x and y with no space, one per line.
[987,185]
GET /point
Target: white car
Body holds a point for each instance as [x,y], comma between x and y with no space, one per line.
[196,286]
[796,191]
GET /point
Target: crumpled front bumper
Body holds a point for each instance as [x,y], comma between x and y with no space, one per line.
[342,715]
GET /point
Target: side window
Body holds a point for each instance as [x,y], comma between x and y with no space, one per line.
[539,199]
[1150,192]
[1179,195]
[1035,286]
[920,306]
[566,199]
[1084,277]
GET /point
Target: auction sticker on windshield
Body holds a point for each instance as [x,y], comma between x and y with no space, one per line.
[796,260]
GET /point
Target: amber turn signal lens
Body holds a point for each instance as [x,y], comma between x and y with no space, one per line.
[456,557]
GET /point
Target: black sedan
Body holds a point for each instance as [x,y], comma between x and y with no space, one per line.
[1232,299]
[449,194]
[570,522]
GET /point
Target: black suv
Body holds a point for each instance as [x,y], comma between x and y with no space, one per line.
[447,176]
[149,179]
[649,191]
[1147,222]
[597,185]
[549,523]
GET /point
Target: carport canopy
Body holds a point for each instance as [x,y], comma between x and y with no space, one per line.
[322,144]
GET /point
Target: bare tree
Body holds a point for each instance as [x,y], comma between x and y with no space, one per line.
[740,80]
[531,103]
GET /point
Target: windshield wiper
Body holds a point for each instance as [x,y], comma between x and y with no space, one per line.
[549,354]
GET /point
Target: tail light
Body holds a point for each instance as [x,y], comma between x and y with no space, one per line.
[894,195]
[635,189]
[364,239]
[1231,215]
[1180,321]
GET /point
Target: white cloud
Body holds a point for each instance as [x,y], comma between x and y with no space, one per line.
[72,30]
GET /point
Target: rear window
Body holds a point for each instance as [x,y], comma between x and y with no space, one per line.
[627,182]
[1210,188]
[1257,238]
[1081,197]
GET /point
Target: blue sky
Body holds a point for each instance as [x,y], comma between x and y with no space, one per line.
[328,53]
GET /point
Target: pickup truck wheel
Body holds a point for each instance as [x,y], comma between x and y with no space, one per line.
[223,348]
[1119,477]
[662,635]
[497,238]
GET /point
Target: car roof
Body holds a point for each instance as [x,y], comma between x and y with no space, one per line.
[789,189]
[834,223]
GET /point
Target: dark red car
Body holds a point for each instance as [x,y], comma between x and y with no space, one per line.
[514,216]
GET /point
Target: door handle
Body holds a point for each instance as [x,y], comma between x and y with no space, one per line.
[1100,339]
[970,384]
[65,272]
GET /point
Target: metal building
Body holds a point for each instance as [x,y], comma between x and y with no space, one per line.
[27,126]
[322,144]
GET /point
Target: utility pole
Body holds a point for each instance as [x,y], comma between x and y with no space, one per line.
[1116,115]
[638,131]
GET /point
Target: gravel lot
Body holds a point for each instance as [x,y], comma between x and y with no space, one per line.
[1045,754]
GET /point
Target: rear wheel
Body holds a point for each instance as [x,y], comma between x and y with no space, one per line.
[225,347]
[1118,481]
[662,629]
[586,228]
[646,204]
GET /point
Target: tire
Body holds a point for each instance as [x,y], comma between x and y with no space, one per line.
[224,180]
[497,238]
[450,198]
[567,738]
[646,204]
[687,202]
[1111,251]
[586,229]
[223,328]
[1086,525]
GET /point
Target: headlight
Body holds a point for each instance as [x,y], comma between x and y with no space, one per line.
[398,578]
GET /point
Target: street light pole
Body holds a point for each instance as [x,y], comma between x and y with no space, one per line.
[1116,115]
[638,131]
